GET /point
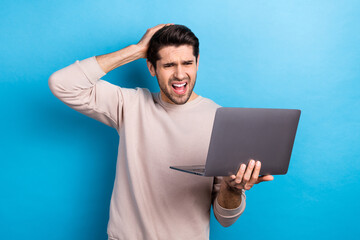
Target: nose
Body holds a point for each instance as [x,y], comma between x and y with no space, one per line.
[180,72]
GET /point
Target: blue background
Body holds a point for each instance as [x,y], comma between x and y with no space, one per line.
[57,166]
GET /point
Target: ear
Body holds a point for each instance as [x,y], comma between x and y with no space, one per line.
[151,68]
[197,62]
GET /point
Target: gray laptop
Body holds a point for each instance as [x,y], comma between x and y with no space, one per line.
[241,134]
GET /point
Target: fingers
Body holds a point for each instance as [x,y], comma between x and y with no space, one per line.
[158,27]
[246,177]
[240,174]
[144,41]
[151,31]
[251,174]
[255,175]
[249,171]
[265,178]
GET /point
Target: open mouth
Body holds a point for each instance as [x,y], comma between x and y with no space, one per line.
[179,88]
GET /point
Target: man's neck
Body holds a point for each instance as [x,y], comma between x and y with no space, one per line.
[164,98]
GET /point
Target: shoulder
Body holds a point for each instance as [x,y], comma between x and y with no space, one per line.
[135,92]
[209,103]
[135,96]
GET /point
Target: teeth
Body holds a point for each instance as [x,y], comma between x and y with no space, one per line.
[179,85]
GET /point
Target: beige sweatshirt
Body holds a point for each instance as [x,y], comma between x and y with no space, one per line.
[149,200]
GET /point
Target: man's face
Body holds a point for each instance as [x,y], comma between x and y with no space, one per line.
[176,73]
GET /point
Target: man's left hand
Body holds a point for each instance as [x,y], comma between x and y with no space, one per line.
[246,177]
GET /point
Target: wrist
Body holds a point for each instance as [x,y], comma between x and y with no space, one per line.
[141,50]
[229,197]
[233,190]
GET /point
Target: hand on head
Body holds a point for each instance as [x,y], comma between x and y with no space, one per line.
[144,41]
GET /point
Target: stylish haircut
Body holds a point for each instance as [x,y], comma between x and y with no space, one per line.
[172,35]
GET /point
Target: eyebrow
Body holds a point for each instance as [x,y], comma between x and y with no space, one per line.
[173,63]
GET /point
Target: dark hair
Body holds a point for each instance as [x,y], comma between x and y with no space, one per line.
[172,35]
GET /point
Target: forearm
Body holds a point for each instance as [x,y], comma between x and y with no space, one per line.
[116,59]
[229,197]
[229,205]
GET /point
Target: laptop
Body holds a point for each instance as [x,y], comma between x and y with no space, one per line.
[242,134]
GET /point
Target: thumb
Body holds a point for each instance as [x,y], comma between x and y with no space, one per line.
[265,178]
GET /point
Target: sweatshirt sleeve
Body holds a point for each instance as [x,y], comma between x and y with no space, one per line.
[79,86]
[226,217]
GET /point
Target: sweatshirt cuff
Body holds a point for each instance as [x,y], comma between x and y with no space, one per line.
[91,69]
[231,213]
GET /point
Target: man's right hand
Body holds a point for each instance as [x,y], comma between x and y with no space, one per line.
[144,41]
[131,53]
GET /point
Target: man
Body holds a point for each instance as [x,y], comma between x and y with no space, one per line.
[156,130]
